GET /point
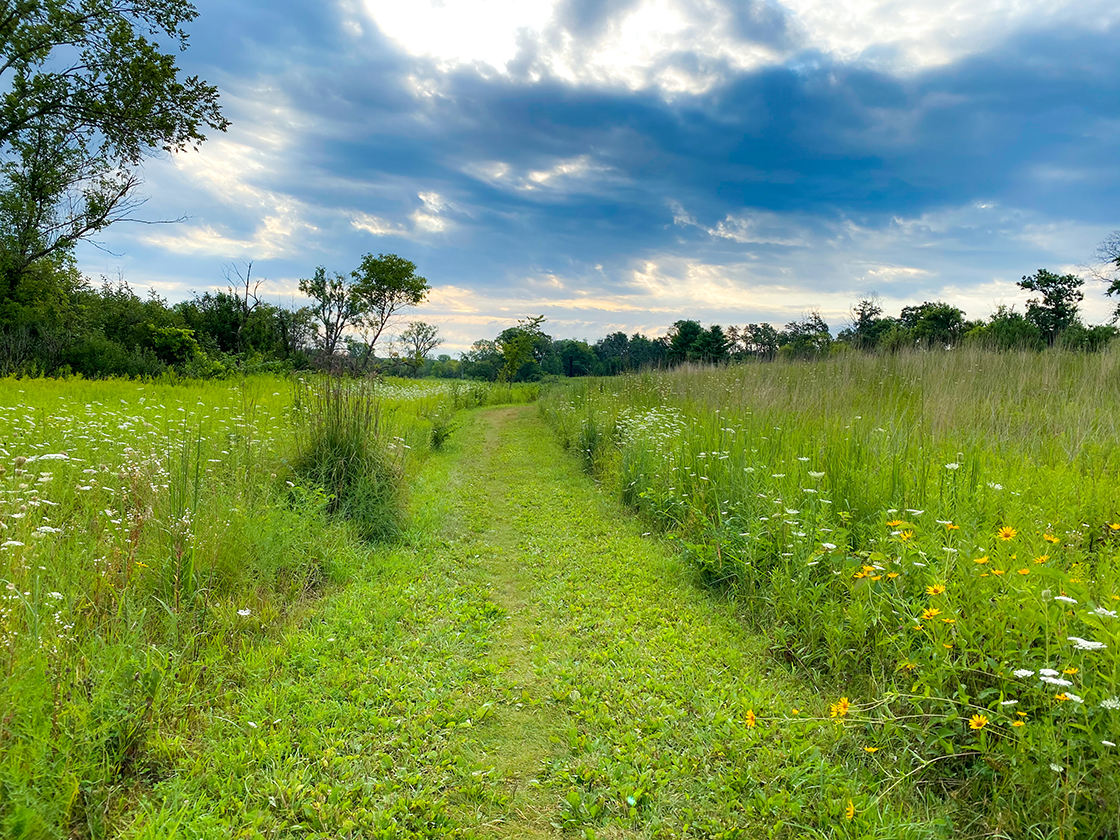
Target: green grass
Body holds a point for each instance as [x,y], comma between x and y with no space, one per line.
[154,539]
[917,529]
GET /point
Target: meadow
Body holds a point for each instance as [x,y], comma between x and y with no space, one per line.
[153,535]
[933,539]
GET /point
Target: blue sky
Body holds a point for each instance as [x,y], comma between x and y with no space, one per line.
[621,164]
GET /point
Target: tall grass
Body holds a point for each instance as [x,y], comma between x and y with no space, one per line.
[937,533]
[150,536]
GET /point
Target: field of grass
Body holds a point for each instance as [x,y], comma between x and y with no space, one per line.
[153,537]
[932,538]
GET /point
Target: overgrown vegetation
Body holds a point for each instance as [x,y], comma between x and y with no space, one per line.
[152,537]
[939,533]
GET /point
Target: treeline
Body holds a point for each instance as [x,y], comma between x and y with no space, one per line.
[58,323]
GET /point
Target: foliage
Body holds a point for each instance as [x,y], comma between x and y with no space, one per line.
[522,347]
[1056,310]
[88,95]
[383,286]
[936,530]
[420,339]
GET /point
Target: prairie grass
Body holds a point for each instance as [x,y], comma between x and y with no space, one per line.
[935,535]
[153,536]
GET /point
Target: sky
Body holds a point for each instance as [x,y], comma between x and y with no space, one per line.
[622,164]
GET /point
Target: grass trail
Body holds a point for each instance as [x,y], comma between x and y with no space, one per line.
[525,664]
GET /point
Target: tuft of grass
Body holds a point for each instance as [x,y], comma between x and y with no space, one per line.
[344,447]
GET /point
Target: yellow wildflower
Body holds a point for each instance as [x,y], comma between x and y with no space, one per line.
[840,708]
[894,523]
[931,612]
[936,589]
[850,811]
[977,721]
[905,535]
[981,560]
[1070,671]
[1018,723]
[1050,538]
[871,749]
[1024,571]
[1006,533]
[750,719]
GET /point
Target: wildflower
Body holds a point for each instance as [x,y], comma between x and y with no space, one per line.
[905,535]
[936,589]
[1055,681]
[952,465]
[1042,558]
[949,620]
[56,595]
[947,645]
[892,575]
[1061,696]
[1103,613]
[1065,599]
[909,666]
[1023,673]
[1047,672]
[1114,526]
[1050,538]
[1017,723]
[997,571]
[828,546]
[1073,698]
[1112,703]
[871,749]
[981,560]
[1057,768]
[850,811]
[245,612]
[977,721]
[1071,671]
[995,486]
[750,719]
[815,474]
[839,709]
[949,526]
[795,711]
[1008,702]
[1085,644]
[931,612]
[894,523]
[1108,743]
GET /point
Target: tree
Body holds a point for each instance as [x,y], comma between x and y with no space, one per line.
[935,323]
[88,95]
[333,308]
[520,345]
[421,339]
[711,345]
[1108,270]
[760,340]
[1057,309]
[682,339]
[383,286]
[807,337]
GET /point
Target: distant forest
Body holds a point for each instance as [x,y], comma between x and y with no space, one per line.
[57,323]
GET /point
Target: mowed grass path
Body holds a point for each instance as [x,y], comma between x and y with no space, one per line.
[526,664]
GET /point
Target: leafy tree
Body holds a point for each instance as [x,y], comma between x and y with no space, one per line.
[760,340]
[383,286]
[808,337]
[1057,309]
[612,352]
[483,361]
[935,323]
[333,308]
[421,339]
[575,358]
[646,352]
[88,94]
[1009,330]
[521,345]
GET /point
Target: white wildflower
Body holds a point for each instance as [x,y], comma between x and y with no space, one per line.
[1055,681]
[1057,768]
[245,612]
[1085,644]
[815,474]
[1103,613]
[952,465]
[1065,599]
[828,546]
[1023,673]
[1074,698]
[1008,702]
[1112,703]
[1047,672]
